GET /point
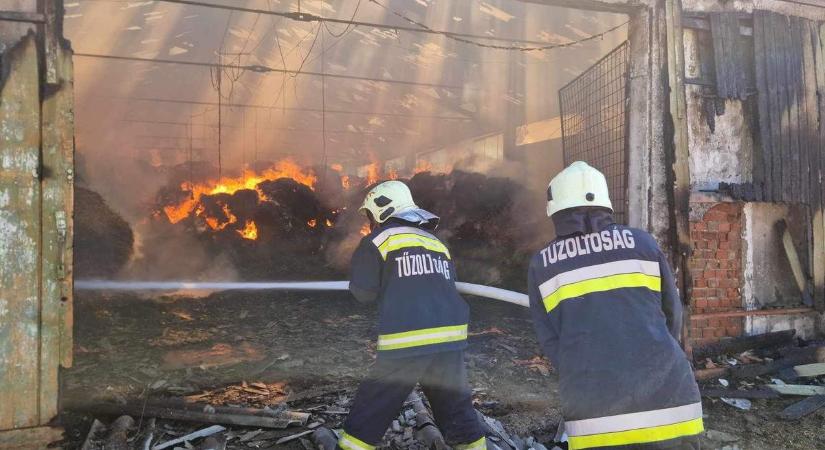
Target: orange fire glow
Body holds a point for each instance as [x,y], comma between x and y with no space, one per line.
[229,185]
[329,223]
[312,222]
[217,225]
[250,231]
[373,173]
[365,230]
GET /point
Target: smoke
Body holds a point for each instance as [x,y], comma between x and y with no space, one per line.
[145,129]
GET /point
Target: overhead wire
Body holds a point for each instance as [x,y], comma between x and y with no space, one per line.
[459,38]
[307,17]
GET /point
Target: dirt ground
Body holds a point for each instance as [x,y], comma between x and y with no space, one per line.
[318,346]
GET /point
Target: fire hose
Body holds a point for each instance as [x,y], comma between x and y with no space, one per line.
[479,290]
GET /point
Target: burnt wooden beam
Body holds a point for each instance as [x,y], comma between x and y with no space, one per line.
[801,409]
[614,6]
[22,16]
[741,344]
[680,169]
[738,393]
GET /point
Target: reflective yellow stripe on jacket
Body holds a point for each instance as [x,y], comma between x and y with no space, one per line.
[636,428]
[417,338]
[350,442]
[480,444]
[397,238]
[629,273]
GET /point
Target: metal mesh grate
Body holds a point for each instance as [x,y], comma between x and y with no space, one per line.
[594,123]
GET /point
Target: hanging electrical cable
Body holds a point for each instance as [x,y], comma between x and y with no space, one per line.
[323,114]
[459,38]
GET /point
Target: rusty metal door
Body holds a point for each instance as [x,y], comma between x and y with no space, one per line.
[594,122]
[36,160]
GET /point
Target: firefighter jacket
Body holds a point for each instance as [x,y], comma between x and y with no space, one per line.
[608,316]
[410,272]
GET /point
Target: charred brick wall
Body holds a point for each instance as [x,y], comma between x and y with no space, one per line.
[716,266]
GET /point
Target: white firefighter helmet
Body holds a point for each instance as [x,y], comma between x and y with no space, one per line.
[577,185]
[393,199]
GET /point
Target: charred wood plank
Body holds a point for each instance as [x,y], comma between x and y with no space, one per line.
[781,32]
[738,393]
[731,81]
[208,431]
[762,162]
[189,415]
[741,344]
[775,117]
[790,359]
[811,120]
[817,167]
[803,408]
[794,70]
[710,374]
[803,390]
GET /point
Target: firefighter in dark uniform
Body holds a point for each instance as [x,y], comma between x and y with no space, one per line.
[608,316]
[422,324]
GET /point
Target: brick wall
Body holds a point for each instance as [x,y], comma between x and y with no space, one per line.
[716,266]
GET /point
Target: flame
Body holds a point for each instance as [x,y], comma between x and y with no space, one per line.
[329,223]
[216,224]
[345,182]
[337,167]
[229,185]
[250,231]
[365,230]
[423,165]
[373,173]
[312,222]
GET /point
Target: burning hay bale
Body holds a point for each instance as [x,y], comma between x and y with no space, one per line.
[288,221]
[103,240]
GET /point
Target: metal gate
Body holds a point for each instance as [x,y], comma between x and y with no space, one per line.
[594,122]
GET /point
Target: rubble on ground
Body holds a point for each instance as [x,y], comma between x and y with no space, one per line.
[314,425]
[769,366]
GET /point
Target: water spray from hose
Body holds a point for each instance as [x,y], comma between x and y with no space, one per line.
[479,290]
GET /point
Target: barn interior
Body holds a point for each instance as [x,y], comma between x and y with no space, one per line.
[233,142]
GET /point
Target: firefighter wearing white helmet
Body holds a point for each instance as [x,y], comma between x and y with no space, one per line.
[576,186]
[392,199]
[608,316]
[422,323]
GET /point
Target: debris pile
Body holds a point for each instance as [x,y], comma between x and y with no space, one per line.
[103,240]
[311,423]
[762,367]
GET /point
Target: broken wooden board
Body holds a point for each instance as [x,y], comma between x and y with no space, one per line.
[760,369]
[797,389]
[801,409]
[210,417]
[810,370]
[738,393]
[209,431]
[741,344]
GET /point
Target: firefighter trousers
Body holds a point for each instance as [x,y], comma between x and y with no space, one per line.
[443,378]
